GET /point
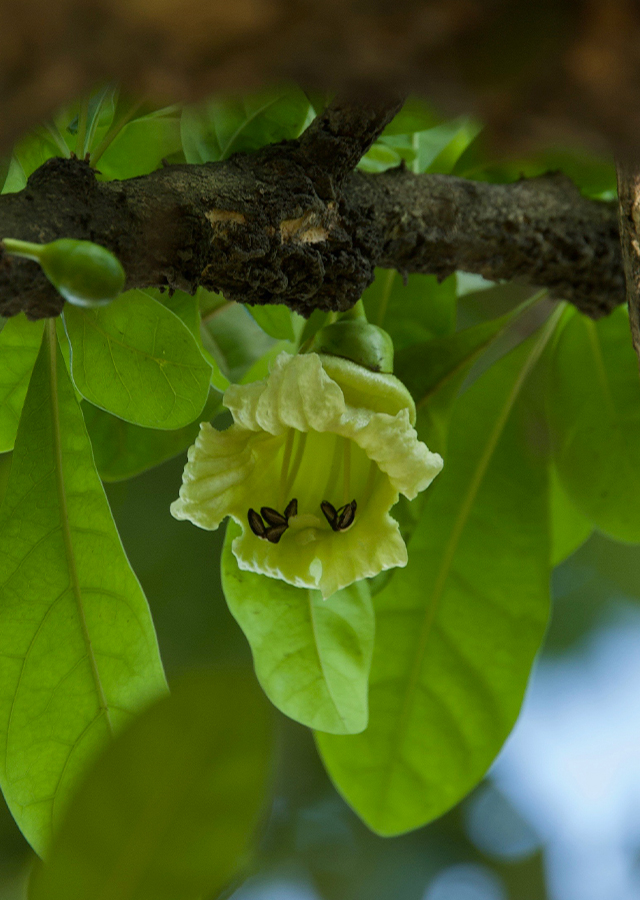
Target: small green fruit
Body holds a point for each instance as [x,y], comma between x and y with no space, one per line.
[86,274]
[357,340]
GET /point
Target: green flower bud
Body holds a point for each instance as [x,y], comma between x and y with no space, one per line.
[357,340]
[86,274]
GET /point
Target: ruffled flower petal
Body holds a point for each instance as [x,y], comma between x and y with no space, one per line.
[329,435]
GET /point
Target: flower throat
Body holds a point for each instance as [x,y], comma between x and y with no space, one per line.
[302,465]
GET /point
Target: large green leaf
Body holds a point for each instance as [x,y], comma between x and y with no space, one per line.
[78,652]
[142,145]
[228,125]
[139,361]
[122,450]
[5,166]
[594,415]
[458,628]
[235,340]
[569,527]
[412,311]
[169,810]
[188,308]
[274,319]
[435,149]
[434,371]
[312,656]
[99,113]
[35,149]
[19,344]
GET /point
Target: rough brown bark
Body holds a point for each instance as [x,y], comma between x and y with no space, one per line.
[340,136]
[260,229]
[629,210]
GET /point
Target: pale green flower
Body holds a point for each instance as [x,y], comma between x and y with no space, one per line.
[324,432]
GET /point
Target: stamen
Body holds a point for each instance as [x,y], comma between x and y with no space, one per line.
[286,459]
[291,510]
[272,516]
[302,440]
[274,533]
[330,513]
[371,478]
[256,524]
[346,472]
[332,480]
[341,519]
[346,515]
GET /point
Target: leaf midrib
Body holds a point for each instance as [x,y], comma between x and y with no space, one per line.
[450,549]
[316,647]
[64,520]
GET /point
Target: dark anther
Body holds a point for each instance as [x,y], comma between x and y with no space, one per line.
[329,513]
[272,516]
[275,532]
[277,523]
[256,524]
[346,515]
[339,519]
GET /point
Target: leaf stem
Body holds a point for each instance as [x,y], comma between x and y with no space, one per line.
[25,249]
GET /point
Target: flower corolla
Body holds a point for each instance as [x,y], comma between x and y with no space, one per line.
[318,453]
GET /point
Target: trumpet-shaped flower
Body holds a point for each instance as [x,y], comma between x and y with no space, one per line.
[318,454]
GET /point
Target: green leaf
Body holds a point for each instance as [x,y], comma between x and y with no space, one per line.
[5,166]
[141,146]
[415,115]
[78,653]
[235,340]
[122,450]
[275,320]
[311,656]
[19,344]
[16,179]
[317,320]
[416,311]
[209,302]
[435,149]
[457,629]
[435,370]
[169,810]
[439,148]
[229,125]
[35,149]
[100,113]
[382,156]
[569,528]
[187,308]
[136,359]
[594,175]
[594,415]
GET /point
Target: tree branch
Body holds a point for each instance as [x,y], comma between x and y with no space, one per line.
[256,228]
[629,210]
[341,135]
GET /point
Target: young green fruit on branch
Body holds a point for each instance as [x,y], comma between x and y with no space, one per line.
[353,337]
[86,274]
